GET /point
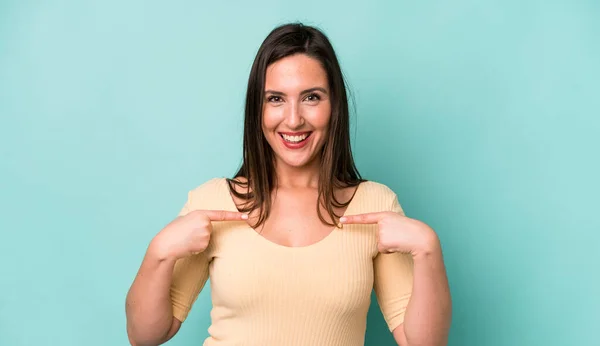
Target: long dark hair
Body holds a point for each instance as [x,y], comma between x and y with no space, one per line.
[337,169]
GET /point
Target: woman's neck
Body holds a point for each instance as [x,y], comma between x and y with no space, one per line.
[297,177]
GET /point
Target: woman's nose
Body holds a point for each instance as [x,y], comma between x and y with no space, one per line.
[293,117]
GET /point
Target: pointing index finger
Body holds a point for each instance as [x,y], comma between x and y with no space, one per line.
[224,215]
[367,218]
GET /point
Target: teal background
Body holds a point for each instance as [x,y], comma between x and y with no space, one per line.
[483,116]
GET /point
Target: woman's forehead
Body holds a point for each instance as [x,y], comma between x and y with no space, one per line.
[295,73]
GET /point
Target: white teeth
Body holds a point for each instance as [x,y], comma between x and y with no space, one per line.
[295,139]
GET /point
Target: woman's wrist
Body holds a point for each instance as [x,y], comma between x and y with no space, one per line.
[429,244]
[158,253]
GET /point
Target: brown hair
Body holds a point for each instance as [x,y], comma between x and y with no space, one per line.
[337,169]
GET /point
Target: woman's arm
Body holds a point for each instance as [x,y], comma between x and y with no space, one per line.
[149,309]
[410,277]
[428,314]
[174,270]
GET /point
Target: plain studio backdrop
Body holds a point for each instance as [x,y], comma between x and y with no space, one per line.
[483,116]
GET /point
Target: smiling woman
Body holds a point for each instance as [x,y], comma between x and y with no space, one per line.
[296,87]
[283,269]
[297,110]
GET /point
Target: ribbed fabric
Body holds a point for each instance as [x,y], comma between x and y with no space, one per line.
[267,294]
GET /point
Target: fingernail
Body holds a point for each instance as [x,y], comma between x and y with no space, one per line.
[343,219]
[244,216]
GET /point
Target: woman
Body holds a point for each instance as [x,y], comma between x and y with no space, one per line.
[297,240]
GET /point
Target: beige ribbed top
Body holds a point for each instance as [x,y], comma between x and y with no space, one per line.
[269,294]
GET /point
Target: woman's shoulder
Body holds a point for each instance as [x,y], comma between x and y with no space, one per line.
[209,194]
[377,196]
[209,185]
[377,189]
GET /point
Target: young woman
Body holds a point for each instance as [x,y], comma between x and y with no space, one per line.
[296,241]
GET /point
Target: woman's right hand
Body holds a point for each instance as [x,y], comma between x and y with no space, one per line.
[189,234]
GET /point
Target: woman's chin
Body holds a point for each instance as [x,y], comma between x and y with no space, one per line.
[297,162]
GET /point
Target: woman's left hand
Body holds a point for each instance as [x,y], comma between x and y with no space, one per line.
[397,233]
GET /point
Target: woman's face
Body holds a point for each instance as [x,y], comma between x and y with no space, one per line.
[296,109]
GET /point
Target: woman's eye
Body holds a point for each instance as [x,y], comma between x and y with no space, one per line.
[313,97]
[274,99]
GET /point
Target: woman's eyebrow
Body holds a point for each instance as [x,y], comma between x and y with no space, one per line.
[280,93]
[323,90]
